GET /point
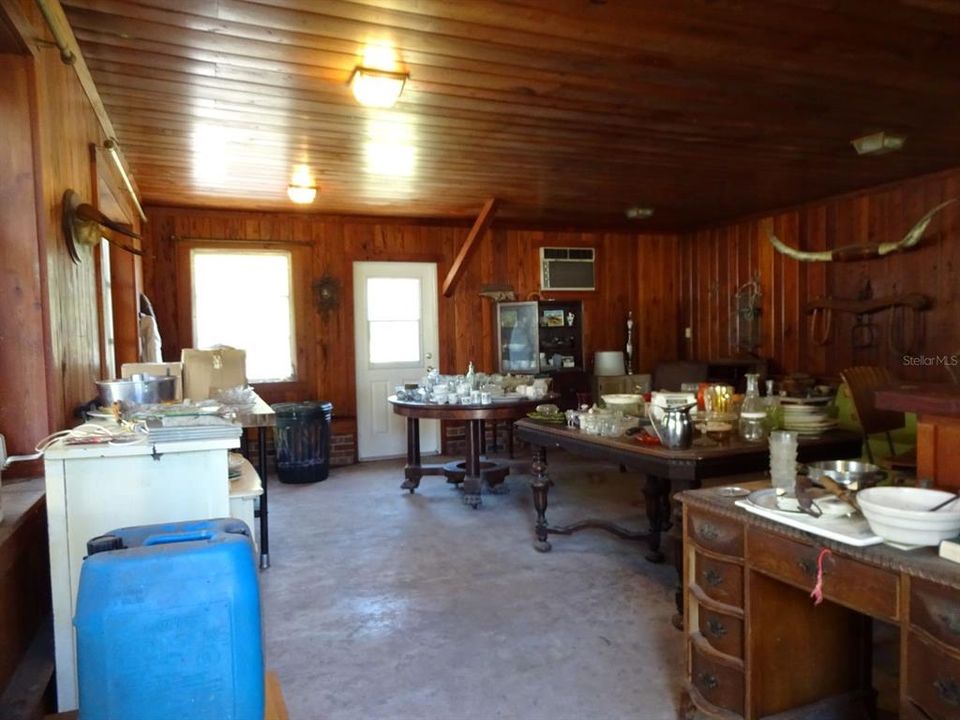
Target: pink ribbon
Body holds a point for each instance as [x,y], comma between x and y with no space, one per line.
[817,592]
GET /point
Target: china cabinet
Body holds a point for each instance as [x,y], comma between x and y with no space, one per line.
[539,336]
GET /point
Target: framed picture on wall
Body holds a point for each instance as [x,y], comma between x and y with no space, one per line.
[552,318]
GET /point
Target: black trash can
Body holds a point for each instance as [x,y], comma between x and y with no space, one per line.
[302,440]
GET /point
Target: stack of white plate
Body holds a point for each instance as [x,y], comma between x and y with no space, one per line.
[806,417]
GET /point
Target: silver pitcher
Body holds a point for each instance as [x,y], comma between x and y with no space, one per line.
[673,425]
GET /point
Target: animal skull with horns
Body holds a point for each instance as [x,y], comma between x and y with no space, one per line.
[861,252]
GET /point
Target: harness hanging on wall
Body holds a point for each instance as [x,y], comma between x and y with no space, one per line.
[905,326]
[83,224]
[745,317]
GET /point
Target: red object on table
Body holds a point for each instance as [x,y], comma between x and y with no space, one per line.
[645,438]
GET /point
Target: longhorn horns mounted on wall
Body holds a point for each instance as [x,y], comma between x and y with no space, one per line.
[861,252]
[83,224]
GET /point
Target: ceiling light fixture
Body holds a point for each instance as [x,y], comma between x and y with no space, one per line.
[639,213]
[878,143]
[377,88]
[302,195]
[301,189]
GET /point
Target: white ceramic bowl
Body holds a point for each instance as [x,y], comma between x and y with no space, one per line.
[629,404]
[902,514]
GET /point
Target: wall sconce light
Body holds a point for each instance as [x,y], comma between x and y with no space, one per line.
[639,213]
[879,143]
[302,189]
[377,88]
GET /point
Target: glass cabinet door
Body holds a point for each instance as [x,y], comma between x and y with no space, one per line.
[517,337]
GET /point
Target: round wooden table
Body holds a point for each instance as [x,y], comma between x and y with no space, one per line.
[475,468]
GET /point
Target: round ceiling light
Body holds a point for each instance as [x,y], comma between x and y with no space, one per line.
[302,189]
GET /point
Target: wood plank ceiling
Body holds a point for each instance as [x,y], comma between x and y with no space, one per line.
[569,111]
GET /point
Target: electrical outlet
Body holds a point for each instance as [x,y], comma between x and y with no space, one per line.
[688,333]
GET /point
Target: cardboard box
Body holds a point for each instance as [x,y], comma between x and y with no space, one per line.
[206,371]
[128,370]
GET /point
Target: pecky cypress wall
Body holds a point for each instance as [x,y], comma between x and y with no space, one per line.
[715,261]
[671,282]
[326,244]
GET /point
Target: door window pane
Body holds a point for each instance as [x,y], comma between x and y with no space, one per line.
[244,300]
[393,320]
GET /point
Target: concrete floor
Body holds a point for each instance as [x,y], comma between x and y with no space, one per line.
[382,605]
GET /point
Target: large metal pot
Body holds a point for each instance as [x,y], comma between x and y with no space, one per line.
[851,473]
[138,390]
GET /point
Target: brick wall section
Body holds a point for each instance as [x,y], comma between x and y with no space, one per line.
[343,449]
[455,438]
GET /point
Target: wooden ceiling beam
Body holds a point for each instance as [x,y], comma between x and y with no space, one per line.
[470,244]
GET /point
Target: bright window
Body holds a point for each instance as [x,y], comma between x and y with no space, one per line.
[393,318]
[109,341]
[245,300]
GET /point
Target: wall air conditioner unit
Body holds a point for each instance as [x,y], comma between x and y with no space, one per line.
[567,268]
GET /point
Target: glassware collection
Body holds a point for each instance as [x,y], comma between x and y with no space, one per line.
[472,388]
[715,410]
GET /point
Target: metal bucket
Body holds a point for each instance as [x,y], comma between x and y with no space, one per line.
[138,390]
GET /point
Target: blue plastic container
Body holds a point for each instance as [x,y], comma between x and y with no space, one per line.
[168,624]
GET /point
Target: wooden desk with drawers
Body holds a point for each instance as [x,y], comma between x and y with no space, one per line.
[757,646]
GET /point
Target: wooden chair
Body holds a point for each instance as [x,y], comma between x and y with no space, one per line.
[863,381]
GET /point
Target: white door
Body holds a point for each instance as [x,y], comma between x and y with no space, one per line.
[396,333]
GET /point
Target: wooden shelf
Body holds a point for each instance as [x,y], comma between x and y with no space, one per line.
[248,484]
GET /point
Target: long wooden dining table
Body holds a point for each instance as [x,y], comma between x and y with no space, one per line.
[664,471]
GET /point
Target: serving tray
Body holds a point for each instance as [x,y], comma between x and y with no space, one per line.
[847,530]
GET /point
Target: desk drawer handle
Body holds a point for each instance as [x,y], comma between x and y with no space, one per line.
[708,532]
[708,681]
[713,577]
[949,691]
[951,621]
[716,628]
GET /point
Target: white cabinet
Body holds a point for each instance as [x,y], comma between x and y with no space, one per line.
[94,489]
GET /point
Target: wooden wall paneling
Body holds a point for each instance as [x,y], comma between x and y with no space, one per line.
[812,229]
[875,215]
[64,147]
[658,313]
[941,335]
[23,378]
[705,307]
[160,282]
[726,287]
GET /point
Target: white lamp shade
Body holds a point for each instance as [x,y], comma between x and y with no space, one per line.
[608,362]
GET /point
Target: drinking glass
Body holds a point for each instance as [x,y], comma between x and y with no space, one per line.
[783,461]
